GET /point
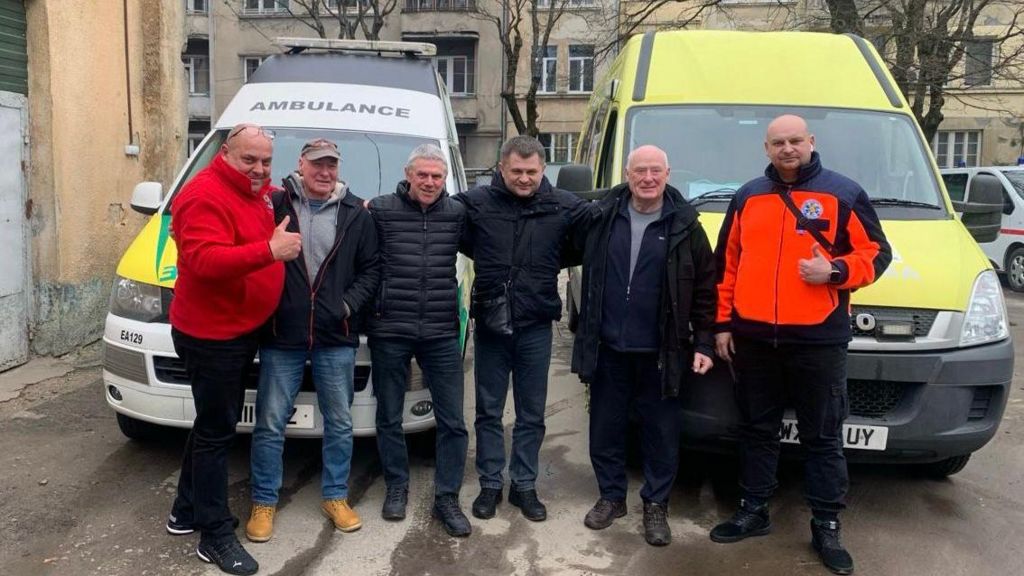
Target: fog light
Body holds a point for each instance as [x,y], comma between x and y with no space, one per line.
[114,393]
[422,408]
[896,330]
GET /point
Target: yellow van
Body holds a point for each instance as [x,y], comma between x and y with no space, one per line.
[931,359]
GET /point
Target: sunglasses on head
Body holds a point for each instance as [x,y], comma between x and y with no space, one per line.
[268,133]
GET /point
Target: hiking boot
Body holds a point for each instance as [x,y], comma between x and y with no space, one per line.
[604,513]
[446,509]
[748,521]
[526,500]
[228,555]
[344,517]
[260,526]
[177,527]
[485,504]
[825,539]
[395,501]
[656,530]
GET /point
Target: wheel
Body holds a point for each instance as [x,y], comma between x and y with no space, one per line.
[947,467]
[573,313]
[1015,269]
[137,429]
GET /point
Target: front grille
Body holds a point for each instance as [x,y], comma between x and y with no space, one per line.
[172,371]
[874,398]
[979,405]
[125,363]
[921,318]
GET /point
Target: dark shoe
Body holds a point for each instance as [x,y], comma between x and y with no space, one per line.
[485,504]
[446,509]
[178,528]
[604,513]
[825,539]
[394,503]
[228,555]
[656,530]
[746,522]
[526,500]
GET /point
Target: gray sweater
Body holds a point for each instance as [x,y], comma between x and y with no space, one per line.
[317,225]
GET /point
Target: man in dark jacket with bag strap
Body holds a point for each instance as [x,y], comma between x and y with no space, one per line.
[646,318]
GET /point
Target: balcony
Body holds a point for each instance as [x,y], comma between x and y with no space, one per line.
[198,106]
[439,6]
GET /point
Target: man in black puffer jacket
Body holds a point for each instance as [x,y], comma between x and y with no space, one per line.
[518,228]
[416,314]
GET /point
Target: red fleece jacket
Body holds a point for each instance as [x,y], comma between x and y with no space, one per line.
[228,282]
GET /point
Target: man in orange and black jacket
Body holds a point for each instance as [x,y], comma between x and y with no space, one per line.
[793,245]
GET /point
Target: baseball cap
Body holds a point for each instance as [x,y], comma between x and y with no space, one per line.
[320,148]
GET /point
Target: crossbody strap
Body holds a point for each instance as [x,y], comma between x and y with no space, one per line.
[804,223]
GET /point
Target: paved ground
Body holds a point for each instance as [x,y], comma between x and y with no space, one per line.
[76,497]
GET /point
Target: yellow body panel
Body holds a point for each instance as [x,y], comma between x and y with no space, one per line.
[152,257]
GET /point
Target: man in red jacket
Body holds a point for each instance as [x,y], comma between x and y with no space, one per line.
[230,277]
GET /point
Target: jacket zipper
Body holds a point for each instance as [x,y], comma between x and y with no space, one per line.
[423,277]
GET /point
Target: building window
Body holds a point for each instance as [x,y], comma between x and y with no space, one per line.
[265,6]
[457,73]
[249,65]
[437,5]
[581,68]
[978,63]
[195,6]
[569,4]
[548,70]
[197,68]
[558,146]
[197,130]
[956,149]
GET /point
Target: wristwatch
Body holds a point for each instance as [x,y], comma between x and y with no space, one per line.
[836,276]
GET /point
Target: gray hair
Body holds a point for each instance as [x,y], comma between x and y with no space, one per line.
[427,152]
[523,146]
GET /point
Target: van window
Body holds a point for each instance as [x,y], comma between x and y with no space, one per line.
[371,164]
[715,149]
[1016,178]
[956,185]
[605,178]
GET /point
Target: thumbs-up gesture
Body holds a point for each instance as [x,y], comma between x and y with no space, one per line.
[285,245]
[817,268]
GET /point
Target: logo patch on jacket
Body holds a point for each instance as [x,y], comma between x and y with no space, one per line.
[811,209]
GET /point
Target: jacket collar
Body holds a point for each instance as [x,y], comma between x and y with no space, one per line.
[676,206]
[236,180]
[293,185]
[807,171]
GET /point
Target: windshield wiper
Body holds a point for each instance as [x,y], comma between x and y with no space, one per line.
[719,194]
[901,202]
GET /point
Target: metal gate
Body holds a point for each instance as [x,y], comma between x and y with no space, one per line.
[14,292]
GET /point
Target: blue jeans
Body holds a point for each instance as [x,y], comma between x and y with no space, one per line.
[441,362]
[526,354]
[280,380]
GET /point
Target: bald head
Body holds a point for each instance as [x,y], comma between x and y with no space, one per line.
[249,150]
[647,174]
[647,152]
[788,144]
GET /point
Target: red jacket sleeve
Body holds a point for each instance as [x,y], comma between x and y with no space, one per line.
[204,233]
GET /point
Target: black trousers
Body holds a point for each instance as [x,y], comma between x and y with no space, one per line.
[217,370]
[811,379]
[623,379]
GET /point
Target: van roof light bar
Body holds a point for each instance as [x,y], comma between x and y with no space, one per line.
[297,45]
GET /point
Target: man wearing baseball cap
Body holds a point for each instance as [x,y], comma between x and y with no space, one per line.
[317,320]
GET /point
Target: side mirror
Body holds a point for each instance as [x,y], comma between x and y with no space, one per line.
[983,210]
[579,179]
[146,197]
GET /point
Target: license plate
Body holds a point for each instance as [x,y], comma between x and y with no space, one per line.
[302,416]
[856,436]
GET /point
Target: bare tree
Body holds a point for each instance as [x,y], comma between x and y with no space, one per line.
[351,16]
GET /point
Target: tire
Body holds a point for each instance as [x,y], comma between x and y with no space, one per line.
[572,312]
[137,429]
[1015,269]
[948,467]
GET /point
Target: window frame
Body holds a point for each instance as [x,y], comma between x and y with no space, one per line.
[190,7]
[261,9]
[582,61]
[948,148]
[448,77]
[190,71]
[983,74]
[245,65]
[546,74]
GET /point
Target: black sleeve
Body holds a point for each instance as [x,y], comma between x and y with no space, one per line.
[582,214]
[466,233]
[705,293]
[367,266]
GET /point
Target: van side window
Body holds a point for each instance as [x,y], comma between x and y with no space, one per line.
[604,172]
[956,185]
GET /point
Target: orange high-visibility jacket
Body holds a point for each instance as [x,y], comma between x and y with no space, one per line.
[760,292]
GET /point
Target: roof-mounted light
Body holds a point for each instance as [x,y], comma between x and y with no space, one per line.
[297,45]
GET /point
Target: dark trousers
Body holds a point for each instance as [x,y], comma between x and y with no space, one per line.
[526,354]
[623,381]
[441,362]
[217,370]
[811,379]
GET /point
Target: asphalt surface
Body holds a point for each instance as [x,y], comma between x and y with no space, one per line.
[76,497]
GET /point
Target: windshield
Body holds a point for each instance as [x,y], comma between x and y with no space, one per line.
[714,150]
[371,164]
[1016,177]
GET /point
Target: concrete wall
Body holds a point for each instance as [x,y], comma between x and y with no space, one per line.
[80,179]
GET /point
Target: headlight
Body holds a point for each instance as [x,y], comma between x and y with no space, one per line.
[135,300]
[985,320]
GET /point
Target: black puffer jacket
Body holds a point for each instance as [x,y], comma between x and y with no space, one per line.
[522,240]
[418,294]
[327,310]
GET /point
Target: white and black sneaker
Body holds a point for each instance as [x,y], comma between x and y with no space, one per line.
[177,528]
[228,555]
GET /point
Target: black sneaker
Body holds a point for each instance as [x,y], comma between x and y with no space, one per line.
[526,500]
[394,503]
[748,521]
[604,513]
[656,530]
[485,504]
[178,528]
[825,539]
[446,509]
[228,555]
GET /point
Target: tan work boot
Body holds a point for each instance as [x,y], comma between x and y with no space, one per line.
[344,517]
[260,526]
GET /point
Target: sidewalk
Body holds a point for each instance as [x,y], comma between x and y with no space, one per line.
[15,381]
